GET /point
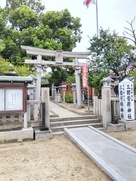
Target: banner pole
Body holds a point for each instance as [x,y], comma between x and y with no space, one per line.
[97,28]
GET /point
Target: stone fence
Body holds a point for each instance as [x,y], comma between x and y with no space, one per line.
[98,109]
[32,117]
[16,120]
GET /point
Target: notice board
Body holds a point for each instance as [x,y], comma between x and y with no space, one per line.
[11,99]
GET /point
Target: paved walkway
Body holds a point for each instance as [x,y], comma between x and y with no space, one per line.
[115,158]
[60,111]
[68,110]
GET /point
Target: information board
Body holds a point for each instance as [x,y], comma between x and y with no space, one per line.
[11,99]
[126,98]
[14,99]
[1,99]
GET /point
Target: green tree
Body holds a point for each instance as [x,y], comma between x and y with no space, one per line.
[2,45]
[58,75]
[71,79]
[33,4]
[23,17]
[50,30]
[4,66]
[23,70]
[110,52]
[65,28]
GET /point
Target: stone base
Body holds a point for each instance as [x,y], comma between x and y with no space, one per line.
[129,124]
[42,135]
[17,135]
[58,98]
[115,127]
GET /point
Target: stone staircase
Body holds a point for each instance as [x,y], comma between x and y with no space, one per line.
[58,124]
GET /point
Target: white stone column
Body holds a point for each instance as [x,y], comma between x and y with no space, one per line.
[53,91]
[106,101]
[38,75]
[45,99]
[78,86]
[25,120]
[106,106]
[74,94]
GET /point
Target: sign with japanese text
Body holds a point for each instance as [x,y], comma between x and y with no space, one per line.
[84,75]
[11,99]
[126,99]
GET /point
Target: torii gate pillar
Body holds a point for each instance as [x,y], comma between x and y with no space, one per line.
[38,83]
[78,85]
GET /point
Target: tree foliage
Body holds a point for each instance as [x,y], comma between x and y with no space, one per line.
[23,70]
[59,75]
[23,22]
[110,52]
[33,4]
[4,66]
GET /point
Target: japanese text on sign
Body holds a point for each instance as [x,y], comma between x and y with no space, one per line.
[126,98]
[11,99]
[85,75]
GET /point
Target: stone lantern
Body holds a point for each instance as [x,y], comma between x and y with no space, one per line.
[106,100]
[107,81]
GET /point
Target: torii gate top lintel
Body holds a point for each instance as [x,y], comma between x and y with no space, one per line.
[55,53]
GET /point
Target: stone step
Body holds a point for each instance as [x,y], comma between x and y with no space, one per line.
[74,122]
[58,133]
[72,118]
[61,128]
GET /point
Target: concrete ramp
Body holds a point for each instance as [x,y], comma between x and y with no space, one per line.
[116,159]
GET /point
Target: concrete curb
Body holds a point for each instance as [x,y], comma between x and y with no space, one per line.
[114,139]
[91,154]
[17,135]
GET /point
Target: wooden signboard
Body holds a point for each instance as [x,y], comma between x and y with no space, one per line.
[11,99]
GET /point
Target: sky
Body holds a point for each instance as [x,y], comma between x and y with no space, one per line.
[112,14]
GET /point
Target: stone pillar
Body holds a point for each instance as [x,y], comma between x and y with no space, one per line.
[106,101]
[45,99]
[38,75]
[78,86]
[53,91]
[25,120]
[74,94]
[63,92]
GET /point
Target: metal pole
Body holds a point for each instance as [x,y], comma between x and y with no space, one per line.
[97,28]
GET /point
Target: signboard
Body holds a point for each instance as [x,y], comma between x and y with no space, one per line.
[1,99]
[11,99]
[84,75]
[14,99]
[126,99]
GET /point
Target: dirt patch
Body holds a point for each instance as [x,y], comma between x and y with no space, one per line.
[56,159]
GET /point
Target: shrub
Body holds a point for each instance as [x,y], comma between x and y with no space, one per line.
[69,98]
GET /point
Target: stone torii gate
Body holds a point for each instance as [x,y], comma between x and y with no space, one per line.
[59,55]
